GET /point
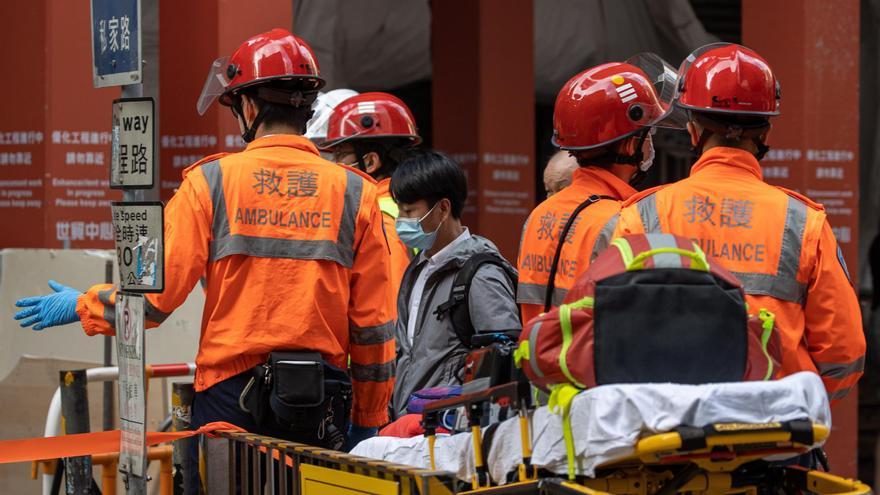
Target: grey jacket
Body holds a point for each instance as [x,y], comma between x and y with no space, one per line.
[436,356]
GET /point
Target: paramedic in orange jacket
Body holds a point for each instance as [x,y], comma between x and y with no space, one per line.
[373,132]
[603,117]
[292,246]
[777,242]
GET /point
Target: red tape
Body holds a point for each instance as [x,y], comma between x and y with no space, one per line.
[82,444]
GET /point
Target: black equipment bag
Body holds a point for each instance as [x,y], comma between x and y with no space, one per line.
[298,392]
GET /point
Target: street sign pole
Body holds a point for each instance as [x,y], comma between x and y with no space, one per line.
[139,226]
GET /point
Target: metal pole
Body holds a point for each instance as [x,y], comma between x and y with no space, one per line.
[75,414]
[108,361]
[181,415]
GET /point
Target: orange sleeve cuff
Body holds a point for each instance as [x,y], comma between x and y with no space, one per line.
[369,419]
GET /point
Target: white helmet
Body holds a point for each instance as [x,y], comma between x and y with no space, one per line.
[316,128]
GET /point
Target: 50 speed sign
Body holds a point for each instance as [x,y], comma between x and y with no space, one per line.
[140,245]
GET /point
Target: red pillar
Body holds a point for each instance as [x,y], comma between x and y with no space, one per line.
[194,34]
[54,131]
[484,109]
[813,45]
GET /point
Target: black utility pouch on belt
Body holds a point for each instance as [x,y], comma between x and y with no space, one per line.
[299,393]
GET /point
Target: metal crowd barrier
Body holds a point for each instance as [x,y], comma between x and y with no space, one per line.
[70,407]
[239,463]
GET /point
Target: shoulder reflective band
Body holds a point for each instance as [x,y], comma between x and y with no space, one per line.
[647,207]
[783,284]
[604,237]
[225,244]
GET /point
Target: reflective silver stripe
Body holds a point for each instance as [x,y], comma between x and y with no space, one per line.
[839,371]
[378,334]
[225,244]
[840,394]
[665,260]
[354,185]
[784,284]
[647,207]
[271,247]
[214,177]
[109,307]
[604,238]
[153,313]
[535,294]
[372,372]
[764,284]
[533,349]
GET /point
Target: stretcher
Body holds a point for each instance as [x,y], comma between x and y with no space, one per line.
[744,450]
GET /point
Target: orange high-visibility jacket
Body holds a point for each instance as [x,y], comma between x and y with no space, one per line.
[589,234]
[295,258]
[400,255]
[779,244]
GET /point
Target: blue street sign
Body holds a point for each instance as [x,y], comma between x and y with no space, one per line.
[116,42]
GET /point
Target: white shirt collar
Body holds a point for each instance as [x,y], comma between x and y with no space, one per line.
[444,254]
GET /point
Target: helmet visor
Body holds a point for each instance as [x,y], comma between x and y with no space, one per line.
[215,85]
[664,78]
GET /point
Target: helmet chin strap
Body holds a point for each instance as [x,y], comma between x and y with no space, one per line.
[250,132]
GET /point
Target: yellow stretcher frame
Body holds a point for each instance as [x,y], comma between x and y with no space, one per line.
[643,472]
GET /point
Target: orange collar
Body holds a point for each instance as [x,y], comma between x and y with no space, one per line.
[730,159]
[288,140]
[602,182]
[383,188]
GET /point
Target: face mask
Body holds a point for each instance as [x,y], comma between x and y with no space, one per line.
[411,233]
[648,154]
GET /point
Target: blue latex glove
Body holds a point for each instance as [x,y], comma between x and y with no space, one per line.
[357,434]
[51,310]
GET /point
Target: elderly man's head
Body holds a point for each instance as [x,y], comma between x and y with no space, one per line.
[558,172]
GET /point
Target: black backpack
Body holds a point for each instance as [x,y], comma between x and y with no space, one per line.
[457,305]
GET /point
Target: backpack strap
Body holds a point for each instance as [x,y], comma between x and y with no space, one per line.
[457,305]
[551,283]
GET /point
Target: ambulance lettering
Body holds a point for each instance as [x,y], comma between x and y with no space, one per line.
[280,218]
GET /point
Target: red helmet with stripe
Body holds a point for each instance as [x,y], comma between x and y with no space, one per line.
[276,56]
[603,105]
[371,116]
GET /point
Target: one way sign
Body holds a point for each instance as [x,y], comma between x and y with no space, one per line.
[131,163]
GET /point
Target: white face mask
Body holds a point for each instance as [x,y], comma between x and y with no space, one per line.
[648,154]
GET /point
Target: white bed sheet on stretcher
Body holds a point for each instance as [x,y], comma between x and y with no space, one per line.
[608,421]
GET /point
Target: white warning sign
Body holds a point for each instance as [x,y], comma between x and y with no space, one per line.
[132,391]
[131,156]
[140,245]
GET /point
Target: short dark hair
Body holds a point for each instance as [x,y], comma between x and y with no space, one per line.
[278,114]
[432,176]
[718,123]
[391,152]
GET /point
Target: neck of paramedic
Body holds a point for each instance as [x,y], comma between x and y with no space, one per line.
[250,110]
[448,227]
[622,171]
[715,140]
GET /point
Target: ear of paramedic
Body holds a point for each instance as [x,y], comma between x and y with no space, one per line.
[431,190]
[558,172]
[605,117]
[372,132]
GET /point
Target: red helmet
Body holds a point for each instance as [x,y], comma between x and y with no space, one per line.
[604,104]
[728,78]
[275,55]
[371,116]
